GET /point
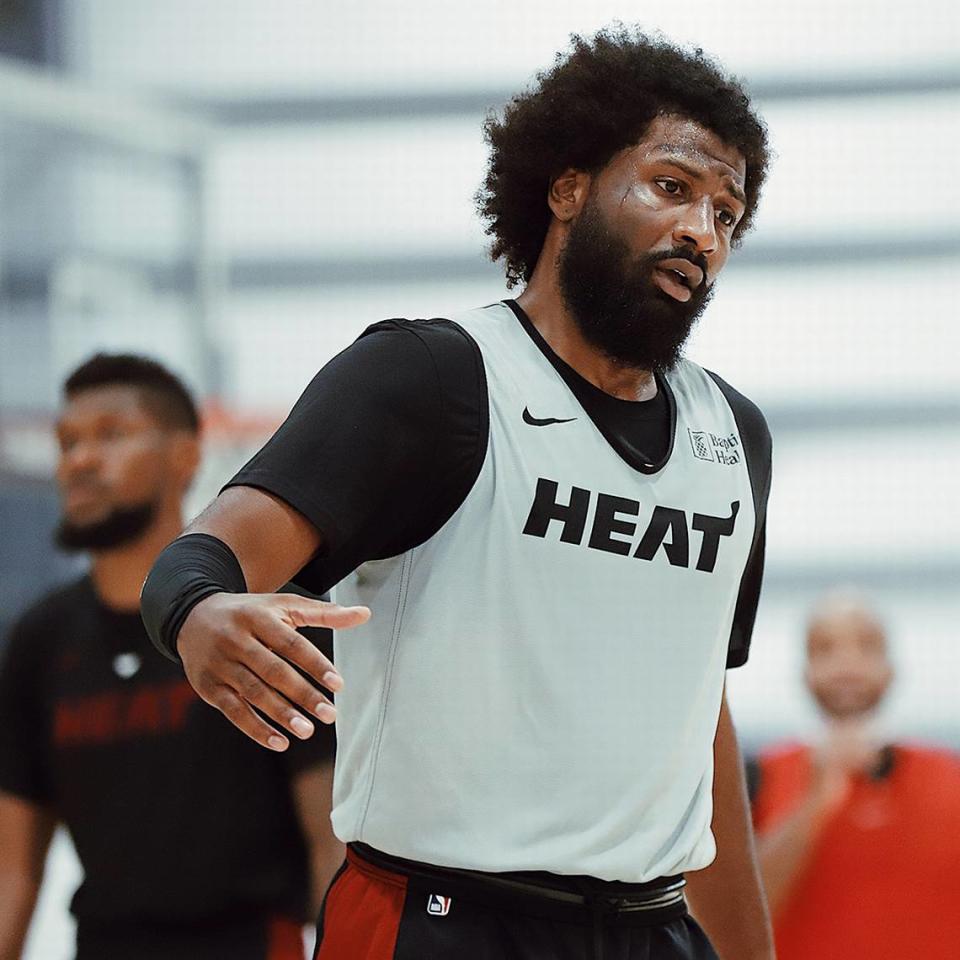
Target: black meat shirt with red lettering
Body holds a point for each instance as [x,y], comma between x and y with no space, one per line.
[176,816]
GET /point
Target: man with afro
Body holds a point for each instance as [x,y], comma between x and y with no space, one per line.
[546,531]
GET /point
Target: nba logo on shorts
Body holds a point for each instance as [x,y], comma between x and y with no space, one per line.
[438,906]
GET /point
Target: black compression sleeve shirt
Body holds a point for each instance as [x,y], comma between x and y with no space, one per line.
[382,446]
[386,442]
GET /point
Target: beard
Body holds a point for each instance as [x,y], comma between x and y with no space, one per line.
[121,526]
[614,301]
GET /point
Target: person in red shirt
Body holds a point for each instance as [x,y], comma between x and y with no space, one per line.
[858,838]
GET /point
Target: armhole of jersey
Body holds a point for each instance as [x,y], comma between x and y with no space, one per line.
[480,454]
[752,427]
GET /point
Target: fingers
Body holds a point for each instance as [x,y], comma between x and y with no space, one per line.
[277,674]
[249,687]
[249,656]
[246,719]
[285,641]
[304,612]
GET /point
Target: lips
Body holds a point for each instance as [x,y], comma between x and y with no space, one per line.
[690,273]
[678,277]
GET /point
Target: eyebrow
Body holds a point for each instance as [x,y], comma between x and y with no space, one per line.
[670,155]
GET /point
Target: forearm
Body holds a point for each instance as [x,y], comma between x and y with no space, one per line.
[18,896]
[248,541]
[325,860]
[727,897]
[785,851]
[312,794]
[25,831]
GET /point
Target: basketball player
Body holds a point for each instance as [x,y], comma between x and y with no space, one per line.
[859,837]
[557,523]
[194,842]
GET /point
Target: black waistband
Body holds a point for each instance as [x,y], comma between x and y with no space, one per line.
[538,893]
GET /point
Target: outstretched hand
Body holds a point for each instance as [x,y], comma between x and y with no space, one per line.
[239,651]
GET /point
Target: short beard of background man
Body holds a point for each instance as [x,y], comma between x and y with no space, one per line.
[121,526]
[557,525]
[101,734]
[859,837]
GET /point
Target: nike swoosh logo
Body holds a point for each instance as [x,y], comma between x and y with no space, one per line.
[534,422]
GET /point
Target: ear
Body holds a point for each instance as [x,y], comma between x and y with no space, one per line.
[568,193]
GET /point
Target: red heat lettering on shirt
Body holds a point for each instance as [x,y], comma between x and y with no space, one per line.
[121,715]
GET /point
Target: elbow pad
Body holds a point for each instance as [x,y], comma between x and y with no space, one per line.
[187,571]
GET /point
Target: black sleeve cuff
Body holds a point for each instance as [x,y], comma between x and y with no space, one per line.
[189,570]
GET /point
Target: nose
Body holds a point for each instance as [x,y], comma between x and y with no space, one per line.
[82,457]
[695,227]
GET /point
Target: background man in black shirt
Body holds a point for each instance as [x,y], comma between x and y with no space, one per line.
[194,842]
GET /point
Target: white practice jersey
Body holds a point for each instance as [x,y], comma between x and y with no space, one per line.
[539,685]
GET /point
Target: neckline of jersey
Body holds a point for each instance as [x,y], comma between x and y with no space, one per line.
[568,374]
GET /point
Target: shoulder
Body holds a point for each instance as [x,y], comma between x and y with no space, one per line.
[930,760]
[397,367]
[42,627]
[773,761]
[53,610]
[404,361]
[931,776]
[754,432]
[749,416]
[439,338]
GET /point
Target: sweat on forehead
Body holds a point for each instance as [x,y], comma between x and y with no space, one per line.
[727,159]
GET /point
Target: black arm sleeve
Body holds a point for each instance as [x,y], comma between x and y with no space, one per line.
[758,450]
[24,721]
[382,447]
[187,571]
